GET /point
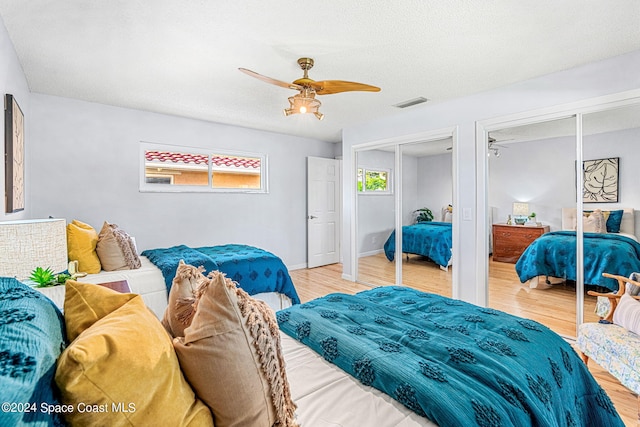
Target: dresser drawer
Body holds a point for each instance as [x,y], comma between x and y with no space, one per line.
[510,241]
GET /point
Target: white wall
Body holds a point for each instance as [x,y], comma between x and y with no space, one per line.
[592,80]
[12,81]
[542,173]
[435,188]
[86,166]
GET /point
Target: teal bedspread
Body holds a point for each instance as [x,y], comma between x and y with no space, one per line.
[254,269]
[429,239]
[455,363]
[554,254]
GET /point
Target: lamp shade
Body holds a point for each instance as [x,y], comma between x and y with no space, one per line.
[520,209]
[27,244]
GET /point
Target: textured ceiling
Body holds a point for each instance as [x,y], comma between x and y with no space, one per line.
[182,57]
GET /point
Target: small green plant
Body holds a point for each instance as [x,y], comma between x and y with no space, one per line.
[62,278]
[43,276]
[423,215]
[532,216]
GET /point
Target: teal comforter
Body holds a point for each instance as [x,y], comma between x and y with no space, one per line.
[430,239]
[455,363]
[554,254]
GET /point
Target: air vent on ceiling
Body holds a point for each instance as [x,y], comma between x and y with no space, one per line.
[411,102]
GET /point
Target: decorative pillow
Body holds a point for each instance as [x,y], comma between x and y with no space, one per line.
[594,222]
[81,245]
[116,249]
[232,357]
[614,220]
[31,339]
[85,304]
[627,314]
[182,298]
[122,365]
[631,288]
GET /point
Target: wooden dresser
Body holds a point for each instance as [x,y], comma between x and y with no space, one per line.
[509,241]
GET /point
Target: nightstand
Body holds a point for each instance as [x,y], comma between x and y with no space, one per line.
[510,241]
[121,286]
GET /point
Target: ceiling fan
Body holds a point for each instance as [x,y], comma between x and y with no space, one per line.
[494,147]
[305,101]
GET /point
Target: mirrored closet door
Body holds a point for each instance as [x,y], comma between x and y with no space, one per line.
[577,175]
[531,182]
[402,184]
[611,197]
[375,214]
[427,206]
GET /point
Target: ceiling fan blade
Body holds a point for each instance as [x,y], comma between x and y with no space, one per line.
[327,87]
[270,80]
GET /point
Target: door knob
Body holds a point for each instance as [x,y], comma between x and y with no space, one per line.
[312,217]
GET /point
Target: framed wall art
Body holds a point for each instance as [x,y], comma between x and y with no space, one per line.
[14,155]
[600,180]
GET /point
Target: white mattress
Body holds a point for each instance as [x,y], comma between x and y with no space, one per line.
[149,282]
[328,397]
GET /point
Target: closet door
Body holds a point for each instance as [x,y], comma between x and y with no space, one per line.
[610,149]
[427,192]
[532,169]
[394,180]
[375,200]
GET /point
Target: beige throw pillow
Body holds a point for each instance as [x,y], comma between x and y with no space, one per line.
[594,222]
[116,249]
[182,298]
[232,358]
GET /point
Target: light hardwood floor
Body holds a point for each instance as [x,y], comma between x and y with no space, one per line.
[554,307]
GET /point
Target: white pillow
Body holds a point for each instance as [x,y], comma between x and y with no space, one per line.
[627,314]
[630,288]
[593,222]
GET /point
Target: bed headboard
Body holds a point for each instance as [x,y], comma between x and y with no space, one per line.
[626,226]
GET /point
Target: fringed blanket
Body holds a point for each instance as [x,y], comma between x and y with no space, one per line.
[554,254]
[430,239]
[455,363]
[254,269]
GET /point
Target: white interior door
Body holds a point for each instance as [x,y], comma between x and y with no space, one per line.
[323,211]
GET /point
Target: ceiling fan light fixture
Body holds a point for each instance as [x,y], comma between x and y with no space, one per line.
[304,103]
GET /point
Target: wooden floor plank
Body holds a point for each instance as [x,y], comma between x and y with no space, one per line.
[554,307]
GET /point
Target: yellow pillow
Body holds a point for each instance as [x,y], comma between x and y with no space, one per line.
[81,245]
[121,370]
[85,304]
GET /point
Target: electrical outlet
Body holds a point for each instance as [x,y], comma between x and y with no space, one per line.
[374,239]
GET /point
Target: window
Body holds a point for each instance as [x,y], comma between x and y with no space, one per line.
[178,169]
[374,181]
